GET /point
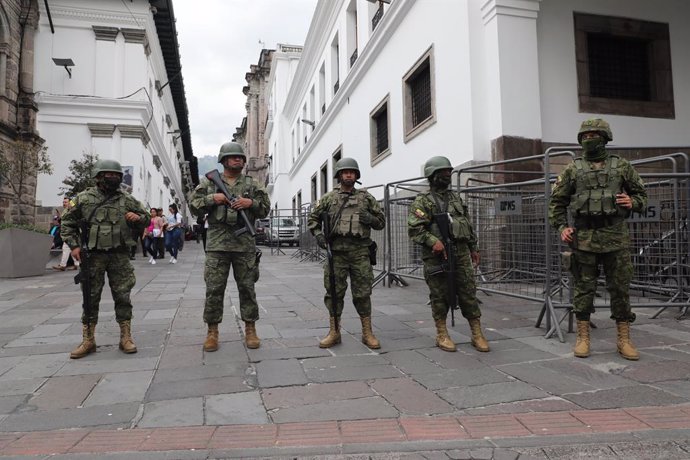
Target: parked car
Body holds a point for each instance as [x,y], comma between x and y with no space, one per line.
[262,227]
[283,230]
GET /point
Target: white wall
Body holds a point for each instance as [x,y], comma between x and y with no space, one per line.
[103,79]
[558,81]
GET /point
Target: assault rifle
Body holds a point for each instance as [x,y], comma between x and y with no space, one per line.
[444,222]
[83,277]
[326,221]
[214,176]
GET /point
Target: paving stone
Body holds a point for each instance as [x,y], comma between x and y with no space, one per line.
[120,387]
[314,393]
[311,351]
[20,387]
[64,392]
[235,409]
[550,404]
[46,330]
[9,403]
[181,356]
[412,362]
[341,374]
[595,375]
[35,366]
[648,450]
[200,387]
[657,372]
[344,361]
[640,395]
[459,378]
[505,454]
[679,388]
[544,378]
[178,412]
[353,409]
[492,393]
[160,314]
[93,366]
[115,415]
[459,360]
[278,373]
[7,363]
[201,371]
[408,397]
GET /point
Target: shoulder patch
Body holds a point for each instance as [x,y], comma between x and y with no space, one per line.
[419,213]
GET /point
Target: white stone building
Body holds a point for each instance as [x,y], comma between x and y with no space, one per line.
[393,83]
[121,96]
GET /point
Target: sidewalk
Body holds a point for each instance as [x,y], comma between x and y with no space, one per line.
[528,398]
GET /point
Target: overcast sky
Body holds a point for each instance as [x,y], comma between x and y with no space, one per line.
[219,40]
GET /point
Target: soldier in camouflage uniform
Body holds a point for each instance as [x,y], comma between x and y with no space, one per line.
[423,230]
[353,213]
[226,249]
[601,189]
[111,215]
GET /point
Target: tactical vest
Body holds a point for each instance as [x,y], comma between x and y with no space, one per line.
[460,225]
[596,189]
[108,228]
[348,224]
[225,214]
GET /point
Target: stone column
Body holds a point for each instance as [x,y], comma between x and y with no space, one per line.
[134,65]
[106,61]
[512,78]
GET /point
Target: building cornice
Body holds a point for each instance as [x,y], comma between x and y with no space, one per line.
[87,15]
[101,129]
[134,132]
[105,33]
[134,35]
[518,8]
[384,31]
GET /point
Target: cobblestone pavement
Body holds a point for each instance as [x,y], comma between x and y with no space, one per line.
[528,398]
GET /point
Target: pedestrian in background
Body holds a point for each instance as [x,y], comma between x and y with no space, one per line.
[226,249]
[352,213]
[423,229]
[601,190]
[66,251]
[109,214]
[173,228]
[160,237]
[149,237]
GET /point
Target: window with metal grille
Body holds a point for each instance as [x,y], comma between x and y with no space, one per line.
[623,66]
[619,67]
[379,131]
[420,87]
[419,96]
[381,128]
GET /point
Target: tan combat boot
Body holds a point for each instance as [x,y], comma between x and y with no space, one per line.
[368,337]
[442,340]
[581,349]
[333,337]
[478,340]
[625,347]
[88,342]
[126,342]
[211,343]
[250,337]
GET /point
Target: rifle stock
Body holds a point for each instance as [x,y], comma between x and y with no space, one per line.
[443,220]
[214,176]
[326,220]
[84,267]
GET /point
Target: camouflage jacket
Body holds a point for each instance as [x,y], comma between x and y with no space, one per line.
[108,229]
[422,229]
[607,238]
[223,221]
[348,231]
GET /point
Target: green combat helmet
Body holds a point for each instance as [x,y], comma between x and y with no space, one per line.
[346,163]
[434,164]
[106,166]
[597,125]
[231,149]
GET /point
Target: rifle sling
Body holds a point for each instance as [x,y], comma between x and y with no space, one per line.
[338,215]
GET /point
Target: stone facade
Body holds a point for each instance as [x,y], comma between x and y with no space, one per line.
[18,22]
[253,132]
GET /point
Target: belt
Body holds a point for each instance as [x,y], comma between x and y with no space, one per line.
[593,223]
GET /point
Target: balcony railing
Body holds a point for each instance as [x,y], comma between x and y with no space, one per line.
[377,17]
[353,58]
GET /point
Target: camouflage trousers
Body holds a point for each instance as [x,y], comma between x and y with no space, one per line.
[464,282]
[216,271]
[120,278]
[356,264]
[618,270]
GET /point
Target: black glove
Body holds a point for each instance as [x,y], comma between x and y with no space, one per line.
[321,241]
[365,218]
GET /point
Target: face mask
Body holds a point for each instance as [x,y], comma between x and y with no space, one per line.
[592,145]
[441,181]
[111,183]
